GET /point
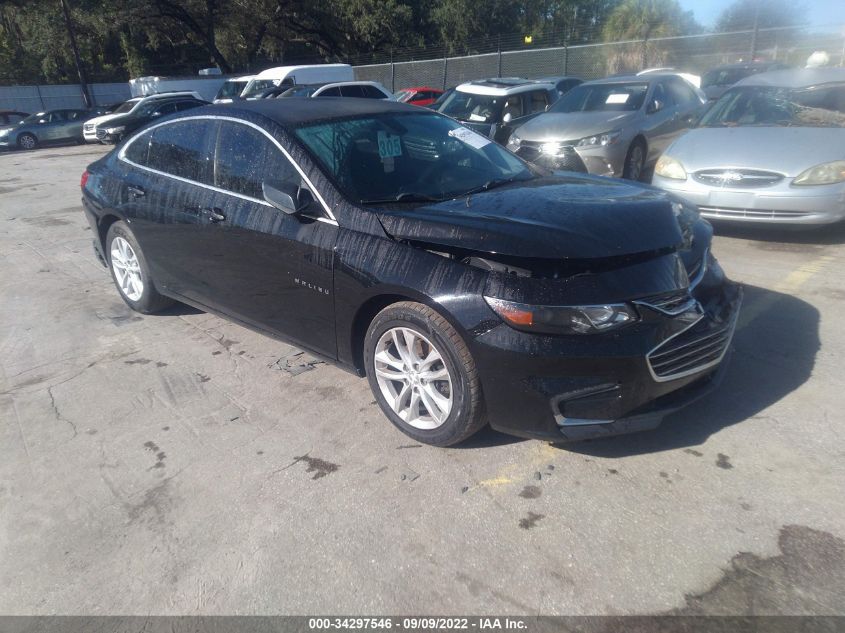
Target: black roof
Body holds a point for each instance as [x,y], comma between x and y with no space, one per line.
[299,110]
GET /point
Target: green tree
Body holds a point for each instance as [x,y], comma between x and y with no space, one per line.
[645,19]
[742,14]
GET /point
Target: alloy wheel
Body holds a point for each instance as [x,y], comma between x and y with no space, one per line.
[413,378]
[27,141]
[127,269]
[635,162]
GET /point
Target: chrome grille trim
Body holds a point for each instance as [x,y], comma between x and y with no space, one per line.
[737,178]
[698,355]
[757,214]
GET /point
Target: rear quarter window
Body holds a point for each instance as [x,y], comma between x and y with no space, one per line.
[182,149]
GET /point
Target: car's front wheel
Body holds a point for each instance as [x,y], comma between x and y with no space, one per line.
[422,375]
[130,271]
[27,141]
[634,161]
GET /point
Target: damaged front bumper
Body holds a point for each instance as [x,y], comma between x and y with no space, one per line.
[571,388]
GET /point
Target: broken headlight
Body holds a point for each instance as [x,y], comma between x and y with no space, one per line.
[591,319]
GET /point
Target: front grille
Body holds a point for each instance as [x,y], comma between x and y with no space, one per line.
[673,303]
[88,127]
[751,214]
[692,351]
[566,157]
[737,178]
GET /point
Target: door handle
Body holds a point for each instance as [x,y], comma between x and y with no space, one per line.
[213,214]
[135,192]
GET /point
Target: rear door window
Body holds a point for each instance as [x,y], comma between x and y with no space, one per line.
[537,101]
[330,92]
[245,158]
[681,92]
[182,149]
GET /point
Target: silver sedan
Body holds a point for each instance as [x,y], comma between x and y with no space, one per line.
[610,127]
[771,149]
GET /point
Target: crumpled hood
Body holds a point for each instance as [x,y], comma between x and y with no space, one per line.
[571,126]
[559,217]
[788,150]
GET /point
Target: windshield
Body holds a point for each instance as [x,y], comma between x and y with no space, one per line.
[33,118]
[602,98]
[300,91]
[257,86]
[126,106]
[822,106]
[231,88]
[408,157]
[466,106]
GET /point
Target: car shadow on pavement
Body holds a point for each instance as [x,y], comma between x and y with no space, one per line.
[775,348]
[828,234]
[180,309]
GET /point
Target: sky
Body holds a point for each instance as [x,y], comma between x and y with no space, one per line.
[820,12]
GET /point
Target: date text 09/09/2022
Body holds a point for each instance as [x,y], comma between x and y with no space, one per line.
[417,623]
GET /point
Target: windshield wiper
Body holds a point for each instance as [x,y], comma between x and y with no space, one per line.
[405,196]
[490,184]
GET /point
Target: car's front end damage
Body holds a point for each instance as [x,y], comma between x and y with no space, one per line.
[599,322]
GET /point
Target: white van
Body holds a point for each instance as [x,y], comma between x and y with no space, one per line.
[232,88]
[292,75]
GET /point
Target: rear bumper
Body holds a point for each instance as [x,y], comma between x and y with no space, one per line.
[569,388]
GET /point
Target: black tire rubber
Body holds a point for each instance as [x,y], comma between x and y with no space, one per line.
[151,300]
[28,135]
[467,414]
[627,169]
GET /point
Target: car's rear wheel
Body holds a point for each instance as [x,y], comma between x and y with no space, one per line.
[422,375]
[130,271]
[27,141]
[634,161]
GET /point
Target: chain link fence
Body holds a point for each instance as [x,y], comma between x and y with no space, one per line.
[693,53]
[550,55]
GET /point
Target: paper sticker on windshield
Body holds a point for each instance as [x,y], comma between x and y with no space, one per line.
[389,145]
[473,139]
[620,97]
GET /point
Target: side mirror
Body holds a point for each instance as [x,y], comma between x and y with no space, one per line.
[546,109]
[655,106]
[286,196]
[507,118]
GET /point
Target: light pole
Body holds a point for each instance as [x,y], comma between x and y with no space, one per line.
[83,79]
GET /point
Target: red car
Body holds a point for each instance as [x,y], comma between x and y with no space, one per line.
[421,96]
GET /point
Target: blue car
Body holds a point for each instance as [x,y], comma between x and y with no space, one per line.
[45,128]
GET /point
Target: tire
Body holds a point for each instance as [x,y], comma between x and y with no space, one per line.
[461,387]
[27,141]
[635,161]
[124,253]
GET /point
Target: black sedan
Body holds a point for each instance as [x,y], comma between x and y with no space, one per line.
[115,129]
[467,286]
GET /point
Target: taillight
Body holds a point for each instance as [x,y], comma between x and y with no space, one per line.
[83,179]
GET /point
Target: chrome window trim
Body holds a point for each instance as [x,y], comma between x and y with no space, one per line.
[122,156]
